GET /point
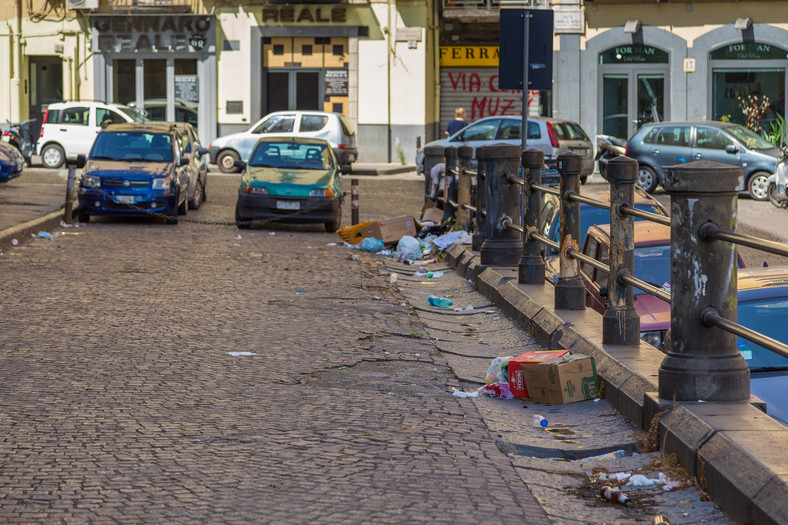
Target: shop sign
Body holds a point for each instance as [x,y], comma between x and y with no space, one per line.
[468,56]
[749,51]
[152,33]
[633,54]
[298,15]
[187,88]
[336,83]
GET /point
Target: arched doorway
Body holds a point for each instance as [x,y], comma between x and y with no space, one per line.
[633,79]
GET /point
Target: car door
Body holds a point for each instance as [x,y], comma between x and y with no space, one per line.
[594,279]
[509,132]
[73,130]
[710,144]
[477,134]
[672,146]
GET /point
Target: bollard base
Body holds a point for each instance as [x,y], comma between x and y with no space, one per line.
[531,270]
[621,326]
[697,378]
[477,240]
[570,294]
[501,253]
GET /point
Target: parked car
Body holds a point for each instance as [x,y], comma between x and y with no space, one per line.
[658,145]
[136,169]
[70,128]
[293,179]
[198,160]
[333,127]
[156,109]
[12,163]
[552,136]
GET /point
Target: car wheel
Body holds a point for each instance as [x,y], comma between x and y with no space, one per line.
[226,161]
[773,198]
[758,186]
[52,156]
[197,198]
[333,226]
[240,222]
[602,169]
[647,178]
[83,217]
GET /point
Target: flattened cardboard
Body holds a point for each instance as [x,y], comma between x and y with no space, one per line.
[390,231]
[432,214]
[562,383]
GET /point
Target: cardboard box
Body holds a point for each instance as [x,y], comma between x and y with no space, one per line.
[432,214]
[390,231]
[567,382]
[517,383]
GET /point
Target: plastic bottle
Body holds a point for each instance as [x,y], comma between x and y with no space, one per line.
[440,302]
[539,421]
[661,520]
[615,495]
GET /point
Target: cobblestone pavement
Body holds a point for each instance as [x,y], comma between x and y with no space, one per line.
[120,400]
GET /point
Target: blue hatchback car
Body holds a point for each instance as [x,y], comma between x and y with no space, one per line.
[136,169]
[11,162]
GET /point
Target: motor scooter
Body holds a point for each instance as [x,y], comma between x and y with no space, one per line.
[20,136]
[776,183]
[608,147]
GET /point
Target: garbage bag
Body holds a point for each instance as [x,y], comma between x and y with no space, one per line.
[498,370]
[409,248]
[371,244]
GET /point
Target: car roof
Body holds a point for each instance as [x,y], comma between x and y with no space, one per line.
[759,278]
[293,139]
[152,127]
[301,111]
[715,123]
[645,232]
[602,193]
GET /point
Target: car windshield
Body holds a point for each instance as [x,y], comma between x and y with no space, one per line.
[132,146]
[569,131]
[290,155]
[590,216]
[652,264]
[750,139]
[767,317]
[133,114]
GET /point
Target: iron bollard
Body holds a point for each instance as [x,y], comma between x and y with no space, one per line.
[703,363]
[502,246]
[68,214]
[464,153]
[570,293]
[481,202]
[450,183]
[531,270]
[354,201]
[432,155]
[621,322]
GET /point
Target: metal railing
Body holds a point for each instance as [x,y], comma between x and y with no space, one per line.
[703,362]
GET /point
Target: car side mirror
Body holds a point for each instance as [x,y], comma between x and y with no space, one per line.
[79,163]
[201,152]
[183,161]
[344,169]
[731,148]
[239,164]
[603,291]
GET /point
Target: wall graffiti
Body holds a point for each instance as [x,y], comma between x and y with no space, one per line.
[477,91]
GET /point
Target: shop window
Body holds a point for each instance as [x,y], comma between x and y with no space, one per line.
[279,49]
[306,50]
[339,50]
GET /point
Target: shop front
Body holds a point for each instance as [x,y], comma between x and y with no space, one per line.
[162,64]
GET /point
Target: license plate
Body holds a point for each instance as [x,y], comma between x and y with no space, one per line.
[124,199]
[288,205]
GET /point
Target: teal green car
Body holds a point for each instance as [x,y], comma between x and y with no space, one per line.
[290,179]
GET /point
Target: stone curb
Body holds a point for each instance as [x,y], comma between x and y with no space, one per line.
[32,227]
[736,453]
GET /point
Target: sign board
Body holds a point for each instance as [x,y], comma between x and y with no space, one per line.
[540,49]
[336,83]
[187,88]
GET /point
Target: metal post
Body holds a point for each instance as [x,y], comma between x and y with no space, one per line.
[526,38]
[354,201]
[570,293]
[432,155]
[450,183]
[464,153]
[481,202]
[68,213]
[502,246]
[621,322]
[703,362]
[531,270]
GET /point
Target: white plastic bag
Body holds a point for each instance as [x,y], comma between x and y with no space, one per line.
[408,248]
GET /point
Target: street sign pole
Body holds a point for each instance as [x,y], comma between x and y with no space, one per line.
[526,26]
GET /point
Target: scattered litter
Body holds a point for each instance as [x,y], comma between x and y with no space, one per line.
[499,389]
[539,421]
[434,369]
[615,495]
[408,248]
[420,273]
[241,354]
[640,481]
[303,291]
[434,275]
[440,302]
[371,244]
[469,307]
[661,520]
[446,240]
[604,457]
[64,225]
[238,237]
[620,476]
[418,355]
[14,242]
[391,393]
[393,278]
[497,370]
[271,233]
[352,257]
[45,235]
[331,244]
[496,318]
[341,368]
[463,395]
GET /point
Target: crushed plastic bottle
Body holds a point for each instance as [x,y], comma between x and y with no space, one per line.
[661,520]
[540,421]
[615,495]
[440,302]
[45,235]
[604,457]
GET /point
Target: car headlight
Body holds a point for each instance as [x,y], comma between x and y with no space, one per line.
[322,192]
[91,181]
[654,338]
[256,190]
[161,183]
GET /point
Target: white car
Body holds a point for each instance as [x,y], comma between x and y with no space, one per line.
[70,128]
[333,127]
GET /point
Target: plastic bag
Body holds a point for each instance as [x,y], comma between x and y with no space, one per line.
[498,370]
[371,244]
[408,248]
[500,389]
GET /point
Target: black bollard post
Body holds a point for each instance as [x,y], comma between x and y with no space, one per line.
[621,322]
[703,363]
[570,293]
[464,153]
[531,270]
[354,201]
[451,187]
[481,202]
[432,155]
[502,246]
[68,214]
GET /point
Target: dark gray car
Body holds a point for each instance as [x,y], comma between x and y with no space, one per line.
[659,145]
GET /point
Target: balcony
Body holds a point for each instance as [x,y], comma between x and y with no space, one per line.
[449,5]
[152,6]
